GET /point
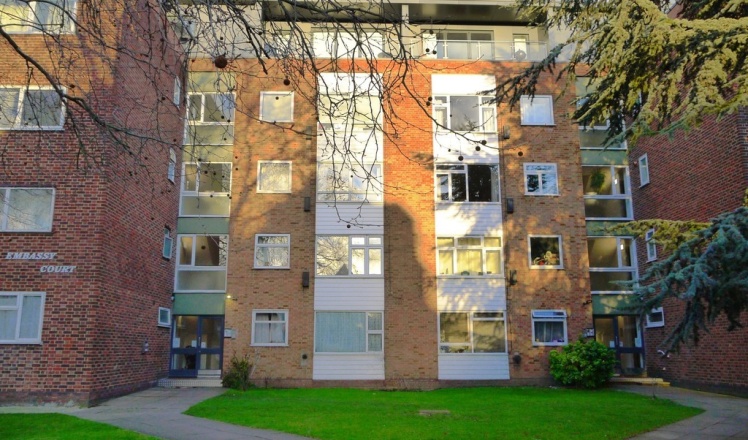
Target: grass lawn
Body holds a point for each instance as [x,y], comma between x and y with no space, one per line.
[60,426]
[474,413]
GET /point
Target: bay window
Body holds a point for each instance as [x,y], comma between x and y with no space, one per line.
[607,193]
[469,256]
[205,189]
[612,260]
[472,332]
[201,263]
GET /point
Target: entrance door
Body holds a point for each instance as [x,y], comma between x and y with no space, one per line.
[622,333]
[197,346]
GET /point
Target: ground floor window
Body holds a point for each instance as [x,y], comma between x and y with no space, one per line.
[472,332]
[348,332]
[549,327]
[270,327]
[21,316]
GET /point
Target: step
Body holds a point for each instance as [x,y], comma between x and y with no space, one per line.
[640,381]
[199,382]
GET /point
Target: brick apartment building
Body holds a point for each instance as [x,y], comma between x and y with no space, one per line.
[693,176]
[84,218]
[357,230]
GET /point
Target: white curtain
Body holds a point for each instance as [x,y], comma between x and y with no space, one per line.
[340,332]
[31,308]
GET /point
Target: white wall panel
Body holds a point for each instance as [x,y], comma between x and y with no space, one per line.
[468,366]
[345,366]
[457,219]
[448,146]
[348,294]
[461,84]
[366,218]
[470,294]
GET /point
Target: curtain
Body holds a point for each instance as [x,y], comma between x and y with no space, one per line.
[340,332]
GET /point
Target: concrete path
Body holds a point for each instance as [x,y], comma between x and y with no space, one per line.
[725,417]
[158,412]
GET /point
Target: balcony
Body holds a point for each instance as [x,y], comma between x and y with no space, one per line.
[481,50]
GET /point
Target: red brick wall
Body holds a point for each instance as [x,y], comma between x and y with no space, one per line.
[695,176]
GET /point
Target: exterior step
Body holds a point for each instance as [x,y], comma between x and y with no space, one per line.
[200,382]
[640,381]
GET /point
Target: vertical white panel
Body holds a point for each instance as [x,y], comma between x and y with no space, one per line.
[469,366]
[470,294]
[348,366]
[348,293]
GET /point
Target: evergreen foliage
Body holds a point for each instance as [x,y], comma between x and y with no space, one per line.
[588,364]
[655,69]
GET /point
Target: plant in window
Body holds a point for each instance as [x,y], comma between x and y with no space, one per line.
[545,251]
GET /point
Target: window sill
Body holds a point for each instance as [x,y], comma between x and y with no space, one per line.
[273,192]
[347,277]
[541,195]
[271,267]
[547,267]
[268,345]
[549,344]
[55,128]
[552,124]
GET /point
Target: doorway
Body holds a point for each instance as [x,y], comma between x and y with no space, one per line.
[197,346]
[622,333]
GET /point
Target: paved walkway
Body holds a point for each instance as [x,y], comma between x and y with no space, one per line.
[158,412]
[725,417]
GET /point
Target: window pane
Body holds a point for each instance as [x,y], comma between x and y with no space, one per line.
[488,337]
[444,242]
[544,251]
[8,103]
[218,108]
[597,181]
[445,263]
[375,240]
[214,177]
[469,262]
[375,262]
[626,251]
[357,262]
[453,327]
[31,311]
[8,301]
[201,280]
[375,342]
[205,205]
[210,250]
[458,187]
[602,252]
[340,332]
[359,241]
[274,176]
[489,119]
[185,251]
[195,107]
[549,332]
[271,257]
[443,186]
[42,108]
[469,241]
[606,208]
[30,209]
[533,183]
[492,242]
[277,107]
[606,281]
[8,324]
[464,109]
[375,321]
[483,181]
[332,255]
[493,262]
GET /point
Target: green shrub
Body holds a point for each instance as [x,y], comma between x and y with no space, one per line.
[583,363]
[237,376]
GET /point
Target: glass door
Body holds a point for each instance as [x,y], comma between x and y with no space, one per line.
[197,346]
[622,333]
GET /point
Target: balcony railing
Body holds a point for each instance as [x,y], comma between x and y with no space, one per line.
[483,50]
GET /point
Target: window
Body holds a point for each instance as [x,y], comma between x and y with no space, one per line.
[656,318]
[24,108]
[472,332]
[651,245]
[536,110]
[346,43]
[281,44]
[211,108]
[164,317]
[463,45]
[341,182]
[343,255]
[26,209]
[548,327]
[643,170]
[348,332]
[206,188]
[168,244]
[469,256]
[201,263]
[541,179]
[21,316]
[349,111]
[465,113]
[272,251]
[607,194]
[273,177]
[520,46]
[592,134]
[545,252]
[467,183]
[612,260]
[276,106]
[270,327]
[172,168]
[177,96]
[47,16]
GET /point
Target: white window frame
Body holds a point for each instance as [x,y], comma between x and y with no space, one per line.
[532,169]
[184,193]
[168,247]
[360,189]
[201,120]
[472,317]
[449,170]
[651,323]
[456,248]
[368,331]
[164,317]
[177,95]
[5,208]
[536,110]
[651,245]
[442,104]
[191,267]
[620,267]
[262,189]
[270,95]
[539,316]
[18,307]
[32,26]
[286,246]
[284,322]
[626,196]
[18,124]
[537,264]
[171,170]
[643,170]
[369,244]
